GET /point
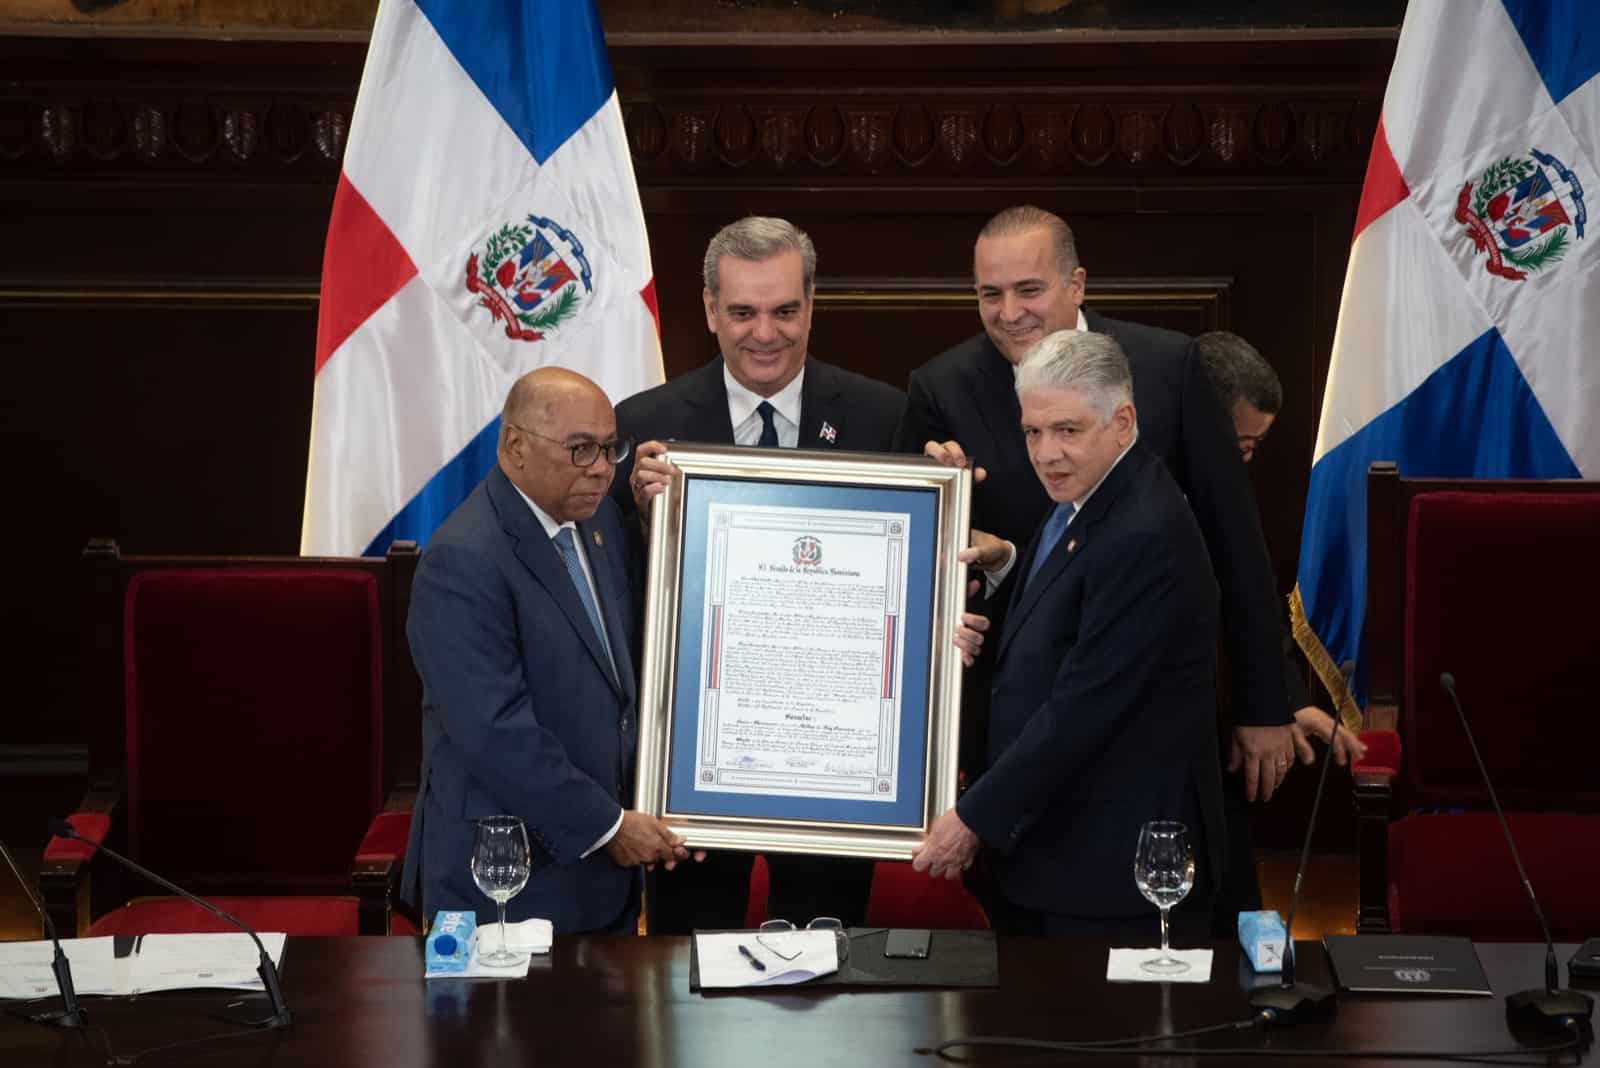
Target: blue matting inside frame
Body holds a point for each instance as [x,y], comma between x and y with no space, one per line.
[921,504]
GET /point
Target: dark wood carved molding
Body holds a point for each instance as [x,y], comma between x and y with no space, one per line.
[254,110]
[1205,297]
[159,292]
[1089,135]
[139,130]
[286,135]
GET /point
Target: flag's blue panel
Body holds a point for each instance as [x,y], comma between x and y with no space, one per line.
[434,502]
[542,66]
[1475,417]
[1563,37]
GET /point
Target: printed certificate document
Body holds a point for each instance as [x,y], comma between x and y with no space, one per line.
[802,654]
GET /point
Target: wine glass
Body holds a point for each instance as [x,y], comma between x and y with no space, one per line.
[500,867]
[1163,869]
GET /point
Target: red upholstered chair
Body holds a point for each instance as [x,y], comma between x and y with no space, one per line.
[900,898]
[254,734]
[1497,583]
[905,898]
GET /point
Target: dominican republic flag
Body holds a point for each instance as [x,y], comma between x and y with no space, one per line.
[486,223]
[1468,342]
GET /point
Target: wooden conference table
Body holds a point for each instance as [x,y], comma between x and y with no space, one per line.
[625,1001]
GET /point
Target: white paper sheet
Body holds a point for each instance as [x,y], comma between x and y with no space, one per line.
[158,962]
[25,968]
[202,961]
[722,964]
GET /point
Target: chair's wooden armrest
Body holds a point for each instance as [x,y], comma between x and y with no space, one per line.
[1382,716]
[64,871]
[404,800]
[1373,791]
[375,872]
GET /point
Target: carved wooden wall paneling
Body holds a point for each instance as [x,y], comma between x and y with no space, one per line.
[156,132]
[166,203]
[1068,137]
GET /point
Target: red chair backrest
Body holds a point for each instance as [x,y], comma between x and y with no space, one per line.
[1501,591]
[254,699]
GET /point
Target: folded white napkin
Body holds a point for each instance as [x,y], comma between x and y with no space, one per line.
[527,936]
[1125,966]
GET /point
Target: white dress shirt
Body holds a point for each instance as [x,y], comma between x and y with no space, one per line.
[742,404]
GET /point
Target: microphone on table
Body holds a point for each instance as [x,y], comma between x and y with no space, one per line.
[71,1013]
[279,1015]
[1551,1011]
[1290,1002]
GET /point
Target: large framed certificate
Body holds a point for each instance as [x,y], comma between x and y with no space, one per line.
[800,690]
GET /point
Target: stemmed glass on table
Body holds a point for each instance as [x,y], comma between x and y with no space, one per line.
[500,866]
[1163,869]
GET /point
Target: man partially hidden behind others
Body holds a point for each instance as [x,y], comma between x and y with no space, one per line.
[1102,715]
[1252,395]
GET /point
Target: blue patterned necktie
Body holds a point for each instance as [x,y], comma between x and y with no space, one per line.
[569,556]
[1054,527]
[769,429]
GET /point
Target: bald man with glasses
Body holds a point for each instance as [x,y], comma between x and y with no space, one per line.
[524,625]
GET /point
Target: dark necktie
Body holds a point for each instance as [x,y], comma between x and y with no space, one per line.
[569,556]
[769,429]
[1054,527]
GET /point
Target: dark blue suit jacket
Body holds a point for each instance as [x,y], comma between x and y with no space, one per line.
[521,712]
[969,393]
[860,413]
[1103,712]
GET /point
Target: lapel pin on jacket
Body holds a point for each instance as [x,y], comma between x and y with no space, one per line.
[827,433]
[597,539]
[1072,546]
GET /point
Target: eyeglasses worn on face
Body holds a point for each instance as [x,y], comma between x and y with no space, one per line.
[585,453]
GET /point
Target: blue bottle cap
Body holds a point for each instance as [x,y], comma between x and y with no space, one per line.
[445,945]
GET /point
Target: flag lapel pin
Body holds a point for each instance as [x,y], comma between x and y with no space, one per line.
[827,433]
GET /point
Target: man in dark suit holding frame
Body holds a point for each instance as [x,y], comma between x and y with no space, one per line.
[1102,716]
[764,390]
[963,404]
[524,628]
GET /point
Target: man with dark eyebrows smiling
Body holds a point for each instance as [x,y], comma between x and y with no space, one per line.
[963,408]
[764,390]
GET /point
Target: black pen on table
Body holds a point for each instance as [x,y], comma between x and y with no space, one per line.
[744,951]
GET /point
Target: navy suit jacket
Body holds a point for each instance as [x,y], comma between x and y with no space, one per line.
[968,394]
[1103,712]
[861,412]
[522,713]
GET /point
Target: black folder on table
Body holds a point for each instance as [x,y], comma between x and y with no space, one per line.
[1407,964]
[955,959]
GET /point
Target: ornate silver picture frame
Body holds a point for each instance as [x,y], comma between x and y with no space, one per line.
[800,691]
